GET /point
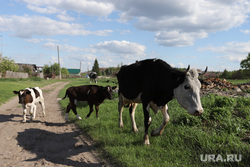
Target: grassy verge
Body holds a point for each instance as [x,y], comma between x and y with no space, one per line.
[222,131]
[233,81]
[7,86]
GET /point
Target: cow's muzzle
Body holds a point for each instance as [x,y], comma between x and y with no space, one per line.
[198,112]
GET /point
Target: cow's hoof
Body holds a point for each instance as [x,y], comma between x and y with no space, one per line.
[78,117]
[146,140]
[155,133]
[23,121]
[86,117]
[135,130]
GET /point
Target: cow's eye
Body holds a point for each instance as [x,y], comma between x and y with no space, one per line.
[187,87]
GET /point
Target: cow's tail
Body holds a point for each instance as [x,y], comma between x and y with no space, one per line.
[66,94]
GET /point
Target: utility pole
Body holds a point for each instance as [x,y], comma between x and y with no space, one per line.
[80,66]
[60,77]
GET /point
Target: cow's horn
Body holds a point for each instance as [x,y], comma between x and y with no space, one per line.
[188,68]
[202,73]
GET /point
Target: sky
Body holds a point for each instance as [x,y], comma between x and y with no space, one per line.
[199,33]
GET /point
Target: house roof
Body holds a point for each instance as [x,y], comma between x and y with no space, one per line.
[74,71]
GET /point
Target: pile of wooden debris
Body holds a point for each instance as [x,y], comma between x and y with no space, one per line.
[216,83]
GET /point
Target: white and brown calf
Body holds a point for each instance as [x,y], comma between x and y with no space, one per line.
[28,98]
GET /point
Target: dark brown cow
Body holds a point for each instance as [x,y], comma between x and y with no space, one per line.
[93,94]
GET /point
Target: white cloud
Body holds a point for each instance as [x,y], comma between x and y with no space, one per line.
[64,47]
[121,47]
[88,7]
[231,51]
[174,22]
[246,31]
[189,20]
[178,39]
[48,10]
[65,17]
[28,26]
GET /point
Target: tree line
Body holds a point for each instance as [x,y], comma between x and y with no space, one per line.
[243,73]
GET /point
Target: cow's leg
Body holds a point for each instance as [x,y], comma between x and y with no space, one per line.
[147,122]
[90,110]
[96,110]
[34,113]
[43,106]
[120,109]
[165,120]
[24,113]
[67,112]
[73,106]
[132,116]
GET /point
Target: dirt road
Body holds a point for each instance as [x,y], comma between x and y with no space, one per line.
[45,141]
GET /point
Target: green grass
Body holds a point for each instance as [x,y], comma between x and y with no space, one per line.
[236,81]
[223,129]
[7,86]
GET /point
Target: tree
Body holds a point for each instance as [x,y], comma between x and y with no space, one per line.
[46,69]
[226,74]
[54,69]
[27,69]
[245,64]
[96,67]
[64,71]
[6,64]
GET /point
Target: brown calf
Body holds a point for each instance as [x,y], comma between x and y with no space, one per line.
[93,94]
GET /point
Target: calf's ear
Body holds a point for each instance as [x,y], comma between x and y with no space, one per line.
[28,92]
[15,92]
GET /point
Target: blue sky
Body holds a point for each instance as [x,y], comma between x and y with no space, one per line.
[213,33]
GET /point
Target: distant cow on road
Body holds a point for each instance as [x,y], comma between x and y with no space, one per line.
[28,98]
[154,83]
[93,77]
[93,94]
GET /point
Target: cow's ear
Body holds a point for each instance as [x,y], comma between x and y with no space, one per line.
[15,92]
[114,87]
[28,92]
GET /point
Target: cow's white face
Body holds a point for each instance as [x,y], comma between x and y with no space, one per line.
[188,93]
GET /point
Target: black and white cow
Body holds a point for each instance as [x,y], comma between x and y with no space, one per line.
[93,77]
[154,83]
[28,98]
[93,94]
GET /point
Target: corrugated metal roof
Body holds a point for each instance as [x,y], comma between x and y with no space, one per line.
[74,71]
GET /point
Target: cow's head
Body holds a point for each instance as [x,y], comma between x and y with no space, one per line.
[108,90]
[21,95]
[188,92]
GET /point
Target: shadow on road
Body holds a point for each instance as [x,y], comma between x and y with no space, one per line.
[55,148]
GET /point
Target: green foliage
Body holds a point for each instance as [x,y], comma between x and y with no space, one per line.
[222,129]
[27,69]
[96,67]
[6,64]
[111,71]
[54,69]
[47,69]
[237,74]
[245,64]
[64,71]
[243,73]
